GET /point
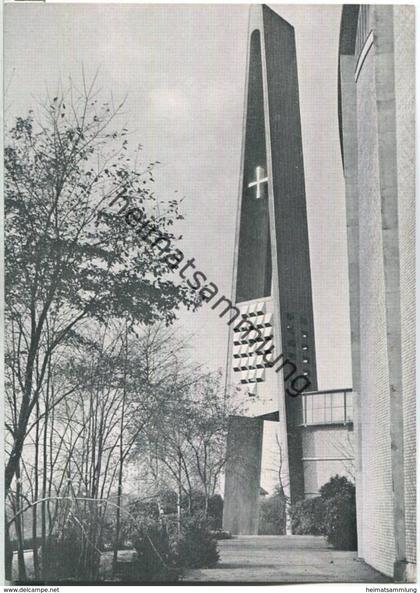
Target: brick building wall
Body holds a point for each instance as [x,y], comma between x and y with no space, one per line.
[404,44]
[377,136]
[375,412]
[348,111]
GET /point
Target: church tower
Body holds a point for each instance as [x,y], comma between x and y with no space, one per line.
[271,285]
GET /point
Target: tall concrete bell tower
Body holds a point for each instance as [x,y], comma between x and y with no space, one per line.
[271,275]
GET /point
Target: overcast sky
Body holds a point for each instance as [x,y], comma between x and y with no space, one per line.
[183,67]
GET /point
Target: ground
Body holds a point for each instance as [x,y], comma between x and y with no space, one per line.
[285,559]
[262,559]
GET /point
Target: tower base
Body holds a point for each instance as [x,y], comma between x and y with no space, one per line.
[242,475]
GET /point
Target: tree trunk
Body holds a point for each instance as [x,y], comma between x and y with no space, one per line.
[8,551]
[206,504]
[118,520]
[19,531]
[14,459]
[36,493]
[179,493]
[121,459]
[44,489]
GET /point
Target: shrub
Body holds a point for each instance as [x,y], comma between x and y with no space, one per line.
[195,503]
[196,547]
[336,486]
[332,514]
[69,557]
[221,534]
[339,498]
[156,558]
[215,511]
[163,553]
[272,515]
[308,516]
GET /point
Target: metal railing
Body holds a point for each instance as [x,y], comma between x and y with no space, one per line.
[327,407]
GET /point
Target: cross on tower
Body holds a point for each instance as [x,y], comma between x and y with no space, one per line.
[260,179]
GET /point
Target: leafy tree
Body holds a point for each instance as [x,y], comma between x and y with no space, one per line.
[70,258]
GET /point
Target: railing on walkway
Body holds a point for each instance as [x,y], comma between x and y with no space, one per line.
[327,407]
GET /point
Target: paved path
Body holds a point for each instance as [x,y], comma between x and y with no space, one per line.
[285,559]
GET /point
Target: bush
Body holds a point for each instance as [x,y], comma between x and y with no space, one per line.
[339,497]
[220,534]
[336,486]
[332,514]
[161,550]
[308,516]
[195,504]
[272,515]
[156,558]
[69,557]
[190,504]
[215,511]
[196,547]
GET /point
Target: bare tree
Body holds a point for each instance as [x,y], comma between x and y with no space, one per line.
[69,258]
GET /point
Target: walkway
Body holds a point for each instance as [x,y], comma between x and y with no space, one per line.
[285,559]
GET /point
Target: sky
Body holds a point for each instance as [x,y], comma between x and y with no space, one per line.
[182,68]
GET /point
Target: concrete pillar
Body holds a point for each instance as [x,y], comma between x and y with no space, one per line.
[242,475]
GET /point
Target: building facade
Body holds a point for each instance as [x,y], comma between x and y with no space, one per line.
[274,365]
[376,122]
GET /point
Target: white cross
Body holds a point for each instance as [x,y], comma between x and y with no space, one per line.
[259,172]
